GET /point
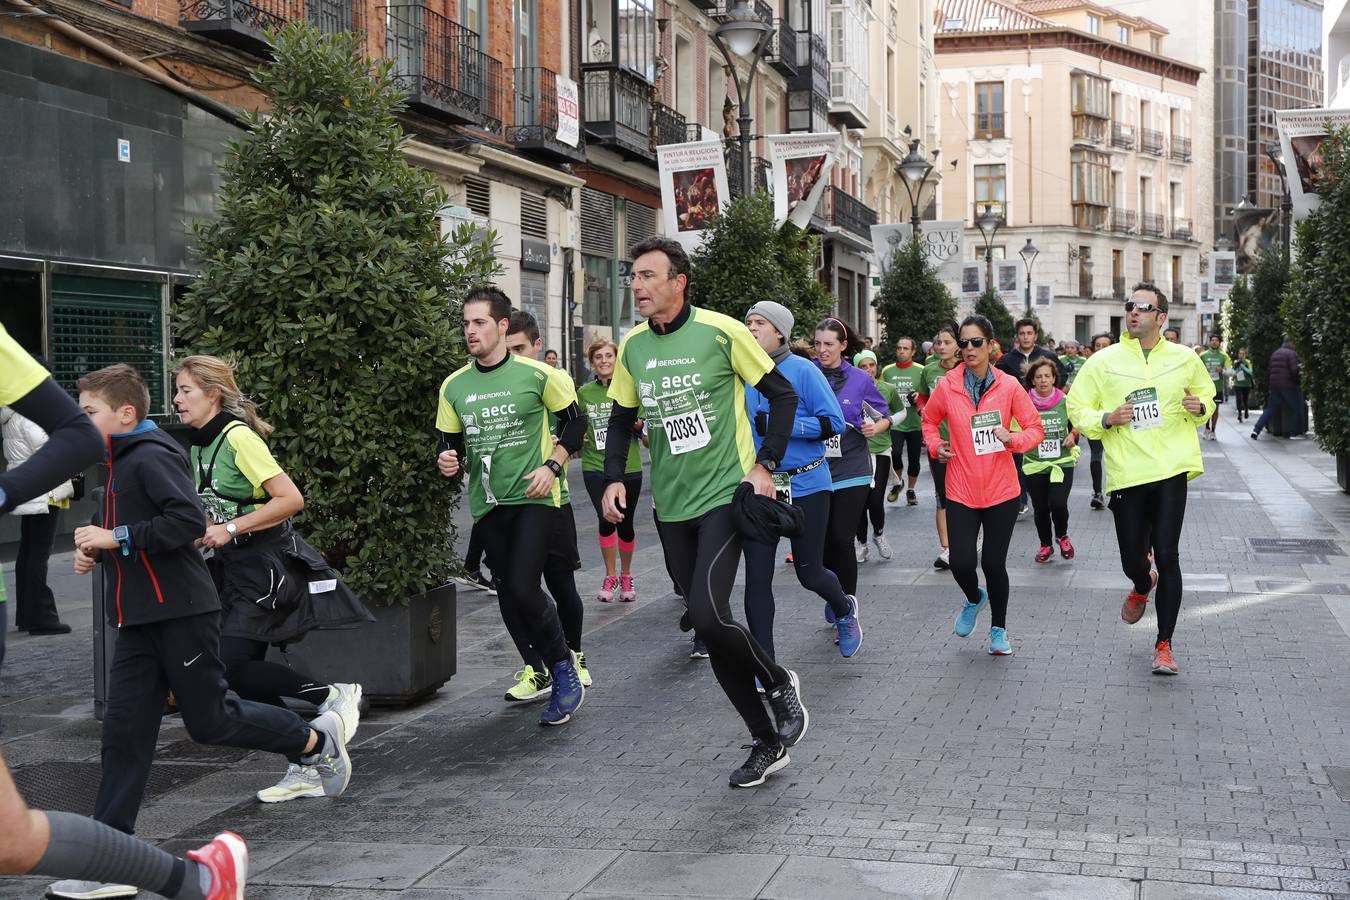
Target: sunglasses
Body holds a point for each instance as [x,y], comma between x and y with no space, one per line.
[977,343]
[1131,306]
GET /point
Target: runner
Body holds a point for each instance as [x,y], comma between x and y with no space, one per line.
[493,416]
[1095,449]
[942,361]
[1049,465]
[1172,335]
[879,445]
[686,368]
[617,542]
[803,480]
[906,376]
[978,403]
[1218,364]
[1243,379]
[865,415]
[1071,362]
[1144,398]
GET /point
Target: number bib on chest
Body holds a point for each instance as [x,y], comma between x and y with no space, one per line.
[600,435]
[687,431]
[834,447]
[1048,449]
[982,427]
[1147,411]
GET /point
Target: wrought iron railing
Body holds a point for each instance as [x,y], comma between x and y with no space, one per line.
[1122,220]
[1181,147]
[997,207]
[1122,135]
[536,119]
[988,125]
[1151,224]
[257,15]
[1151,141]
[1181,229]
[782,51]
[438,63]
[848,212]
[670,126]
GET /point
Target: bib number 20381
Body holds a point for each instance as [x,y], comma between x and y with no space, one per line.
[982,427]
[1147,411]
[687,431]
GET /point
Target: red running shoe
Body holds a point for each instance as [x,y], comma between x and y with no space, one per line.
[1066,547]
[1163,661]
[1043,555]
[226,858]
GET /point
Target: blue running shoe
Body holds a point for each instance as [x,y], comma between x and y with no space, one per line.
[850,631]
[998,642]
[829,614]
[567,694]
[965,619]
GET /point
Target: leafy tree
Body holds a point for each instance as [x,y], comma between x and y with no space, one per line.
[1265,325]
[326,277]
[990,305]
[1235,316]
[912,301]
[1317,301]
[746,258]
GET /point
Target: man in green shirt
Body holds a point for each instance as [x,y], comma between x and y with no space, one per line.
[906,376]
[1218,364]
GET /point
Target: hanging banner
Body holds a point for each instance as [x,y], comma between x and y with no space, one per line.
[801,170]
[1042,295]
[569,112]
[1302,132]
[944,243]
[1256,229]
[693,189]
[972,280]
[1207,302]
[1224,263]
[1010,282]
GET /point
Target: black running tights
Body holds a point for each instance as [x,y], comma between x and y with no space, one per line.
[876,499]
[1050,503]
[840,558]
[963,526]
[1149,517]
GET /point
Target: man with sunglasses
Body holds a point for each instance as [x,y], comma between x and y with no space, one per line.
[1143,399]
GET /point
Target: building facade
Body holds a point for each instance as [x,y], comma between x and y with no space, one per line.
[1336,53]
[1284,71]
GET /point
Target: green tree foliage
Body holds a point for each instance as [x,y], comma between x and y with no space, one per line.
[992,307]
[326,278]
[1317,302]
[1265,325]
[912,301]
[1236,316]
[746,258]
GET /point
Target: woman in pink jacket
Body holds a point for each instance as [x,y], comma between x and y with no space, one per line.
[979,403]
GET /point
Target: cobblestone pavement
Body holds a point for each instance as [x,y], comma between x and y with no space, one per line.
[931,769]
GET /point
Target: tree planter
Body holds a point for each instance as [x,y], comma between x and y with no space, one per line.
[403,657]
[1343,471]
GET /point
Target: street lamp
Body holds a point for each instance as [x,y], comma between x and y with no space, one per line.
[1276,155]
[914,170]
[1028,254]
[743,34]
[988,223]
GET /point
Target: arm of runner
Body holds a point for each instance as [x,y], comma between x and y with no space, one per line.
[873,396]
[170,489]
[619,433]
[73,443]
[934,412]
[1200,387]
[1084,402]
[560,397]
[782,411]
[1033,431]
[824,418]
[449,452]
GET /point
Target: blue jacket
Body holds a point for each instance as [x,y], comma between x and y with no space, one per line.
[815,401]
[852,386]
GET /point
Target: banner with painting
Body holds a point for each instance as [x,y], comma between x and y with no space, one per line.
[1042,296]
[972,280]
[1256,228]
[801,166]
[1010,282]
[1224,273]
[1302,132]
[944,244]
[693,189]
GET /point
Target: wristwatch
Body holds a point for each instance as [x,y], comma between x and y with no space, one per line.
[122,535]
[554,466]
[768,464]
[232,528]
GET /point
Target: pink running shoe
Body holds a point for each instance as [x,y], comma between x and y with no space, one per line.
[226,858]
[1066,547]
[626,592]
[607,588]
[1044,554]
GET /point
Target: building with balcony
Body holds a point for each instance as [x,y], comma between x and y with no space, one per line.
[1284,71]
[1067,128]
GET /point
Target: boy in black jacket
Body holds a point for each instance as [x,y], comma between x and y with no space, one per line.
[158,594]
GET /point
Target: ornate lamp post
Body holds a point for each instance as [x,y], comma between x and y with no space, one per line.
[915,170]
[988,223]
[743,34]
[1028,254]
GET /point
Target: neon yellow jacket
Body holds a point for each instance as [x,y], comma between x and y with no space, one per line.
[1143,456]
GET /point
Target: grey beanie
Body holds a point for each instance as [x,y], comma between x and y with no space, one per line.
[779,316]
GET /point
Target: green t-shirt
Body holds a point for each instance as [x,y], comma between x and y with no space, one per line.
[932,374]
[1216,361]
[1055,421]
[1242,373]
[596,404]
[881,443]
[1071,366]
[504,417]
[904,381]
[689,385]
[230,472]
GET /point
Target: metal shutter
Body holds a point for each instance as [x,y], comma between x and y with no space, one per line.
[96,322]
[641,223]
[597,223]
[533,216]
[534,299]
[478,195]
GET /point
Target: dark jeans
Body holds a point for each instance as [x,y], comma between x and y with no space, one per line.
[702,555]
[875,509]
[1149,517]
[808,558]
[1050,503]
[1098,451]
[840,557]
[34,604]
[906,446]
[182,655]
[1290,400]
[517,541]
[963,525]
[250,675]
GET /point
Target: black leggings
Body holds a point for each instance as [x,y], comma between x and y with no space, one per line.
[963,525]
[517,541]
[703,554]
[875,509]
[252,677]
[938,468]
[595,486]
[906,446]
[1051,503]
[1096,464]
[840,558]
[808,554]
[473,556]
[560,578]
[1244,396]
[1149,517]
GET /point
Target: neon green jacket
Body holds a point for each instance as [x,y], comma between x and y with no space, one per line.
[1136,455]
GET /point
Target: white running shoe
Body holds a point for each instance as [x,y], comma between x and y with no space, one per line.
[333,764]
[90,890]
[883,546]
[299,781]
[944,559]
[862,552]
[345,700]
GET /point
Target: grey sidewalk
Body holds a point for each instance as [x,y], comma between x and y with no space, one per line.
[930,769]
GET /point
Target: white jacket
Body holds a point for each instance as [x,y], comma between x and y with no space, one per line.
[22,438]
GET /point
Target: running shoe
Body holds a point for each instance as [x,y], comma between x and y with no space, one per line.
[789,714]
[607,589]
[883,546]
[965,619]
[584,672]
[1256,435]
[998,642]
[861,551]
[333,763]
[626,592]
[345,700]
[788,558]
[829,614]
[765,759]
[75,889]
[850,631]
[1043,555]
[911,498]
[697,649]
[944,559]
[226,858]
[1023,509]
[568,692]
[1066,547]
[894,494]
[530,685]
[299,781]
[1164,663]
[1132,610]
[1098,500]
[476,581]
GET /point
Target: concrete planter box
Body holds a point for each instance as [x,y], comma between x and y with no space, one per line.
[1343,471]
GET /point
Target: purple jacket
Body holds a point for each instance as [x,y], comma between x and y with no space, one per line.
[1284,369]
[851,387]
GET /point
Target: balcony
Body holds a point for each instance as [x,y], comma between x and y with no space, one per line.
[988,125]
[1122,220]
[848,96]
[1181,148]
[845,211]
[782,52]
[706,5]
[1119,290]
[535,126]
[1151,141]
[1181,229]
[1123,136]
[242,24]
[808,96]
[619,112]
[437,64]
[998,207]
[1151,224]
[761,171]
[1089,129]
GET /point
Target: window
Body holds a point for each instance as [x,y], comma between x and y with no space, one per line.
[1082,329]
[991,188]
[473,16]
[1090,169]
[1154,44]
[527,45]
[1123,33]
[637,37]
[1177,292]
[683,73]
[1091,104]
[1094,24]
[1148,267]
[989,109]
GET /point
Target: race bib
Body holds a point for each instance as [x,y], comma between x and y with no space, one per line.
[782,485]
[600,435]
[833,447]
[1147,410]
[687,431]
[982,427]
[1048,449]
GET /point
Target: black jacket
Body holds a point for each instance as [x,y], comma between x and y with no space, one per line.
[1016,363]
[160,574]
[1284,369]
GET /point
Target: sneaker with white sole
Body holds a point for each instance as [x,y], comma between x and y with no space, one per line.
[627,592]
[345,700]
[944,559]
[584,672]
[299,781]
[530,685]
[883,546]
[861,551]
[765,759]
[226,858]
[332,762]
[476,581]
[75,889]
